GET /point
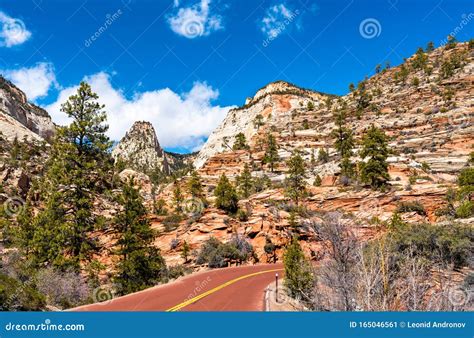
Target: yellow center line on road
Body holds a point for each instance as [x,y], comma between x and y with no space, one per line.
[217,288]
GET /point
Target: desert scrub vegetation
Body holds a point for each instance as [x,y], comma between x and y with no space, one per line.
[216,254]
[410,267]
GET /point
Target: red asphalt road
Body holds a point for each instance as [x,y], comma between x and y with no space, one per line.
[244,295]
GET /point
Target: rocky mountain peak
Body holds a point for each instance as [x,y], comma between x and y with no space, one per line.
[140,149]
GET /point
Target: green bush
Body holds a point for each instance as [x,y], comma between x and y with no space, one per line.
[171,222]
[17,296]
[216,254]
[450,243]
[414,206]
[466,177]
[465,210]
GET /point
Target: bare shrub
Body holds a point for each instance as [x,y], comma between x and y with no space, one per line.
[62,289]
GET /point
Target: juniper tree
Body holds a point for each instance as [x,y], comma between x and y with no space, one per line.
[374,147]
[185,251]
[299,276]
[295,184]
[271,152]
[258,121]
[226,196]
[140,265]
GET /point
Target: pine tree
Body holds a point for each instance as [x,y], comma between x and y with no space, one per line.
[178,197]
[51,239]
[25,233]
[299,277]
[451,42]
[226,196]
[271,152]
[312,161]
[77,170]
[195,186]
[420,60]
[240,142]
[295,184]
[430,47]
[245,182]
[375,147]
[344,136]
[140,265]
[317,181]
[344,143]
[323,156]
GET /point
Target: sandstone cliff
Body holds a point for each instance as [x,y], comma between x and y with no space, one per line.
[14,104]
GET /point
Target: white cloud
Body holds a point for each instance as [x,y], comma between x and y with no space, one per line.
[194,21]
[276,19]
[35,81]
[12,31]
[180,120]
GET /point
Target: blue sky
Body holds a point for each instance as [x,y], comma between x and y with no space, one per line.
[182,63]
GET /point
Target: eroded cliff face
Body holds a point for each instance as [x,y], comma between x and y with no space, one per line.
[139,149]
[274,102]
[14,104]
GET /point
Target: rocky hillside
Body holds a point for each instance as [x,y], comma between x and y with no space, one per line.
[425,106]
[24,129]
[140,149]
[14,105]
